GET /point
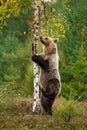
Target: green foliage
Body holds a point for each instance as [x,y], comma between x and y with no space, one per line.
[68,91]
[16,68]
[65,20]
[73,49]
[26,128]
[79,70]
[67,111]
[74,90]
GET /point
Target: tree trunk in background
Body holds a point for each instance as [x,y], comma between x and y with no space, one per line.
[36,103]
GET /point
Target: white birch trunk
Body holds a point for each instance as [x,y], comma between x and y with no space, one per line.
[36,103]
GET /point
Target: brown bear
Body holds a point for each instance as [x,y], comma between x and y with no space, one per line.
[49,74]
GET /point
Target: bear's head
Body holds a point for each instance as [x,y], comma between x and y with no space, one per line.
[49,45]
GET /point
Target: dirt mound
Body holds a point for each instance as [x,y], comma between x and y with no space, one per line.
[23,105]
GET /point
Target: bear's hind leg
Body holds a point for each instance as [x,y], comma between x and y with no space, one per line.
[48,96]
[47,104]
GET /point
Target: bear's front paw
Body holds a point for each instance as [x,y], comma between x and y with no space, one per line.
[34,57]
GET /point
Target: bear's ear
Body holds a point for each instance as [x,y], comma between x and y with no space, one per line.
[56,40]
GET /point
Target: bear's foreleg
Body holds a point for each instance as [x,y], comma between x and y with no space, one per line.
[40,61]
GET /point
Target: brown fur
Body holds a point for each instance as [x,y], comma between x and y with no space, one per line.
[50,78]
[49,72]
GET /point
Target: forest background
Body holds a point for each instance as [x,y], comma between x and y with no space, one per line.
[66,20]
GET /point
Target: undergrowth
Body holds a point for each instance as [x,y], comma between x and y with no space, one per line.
[16,114]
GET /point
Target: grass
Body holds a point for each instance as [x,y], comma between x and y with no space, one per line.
[16,114]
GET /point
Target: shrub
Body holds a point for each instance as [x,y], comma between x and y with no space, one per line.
[66,111]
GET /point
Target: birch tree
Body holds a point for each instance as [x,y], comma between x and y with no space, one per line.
[36,103]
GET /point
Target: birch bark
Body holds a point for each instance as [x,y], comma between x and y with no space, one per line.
[36,102]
